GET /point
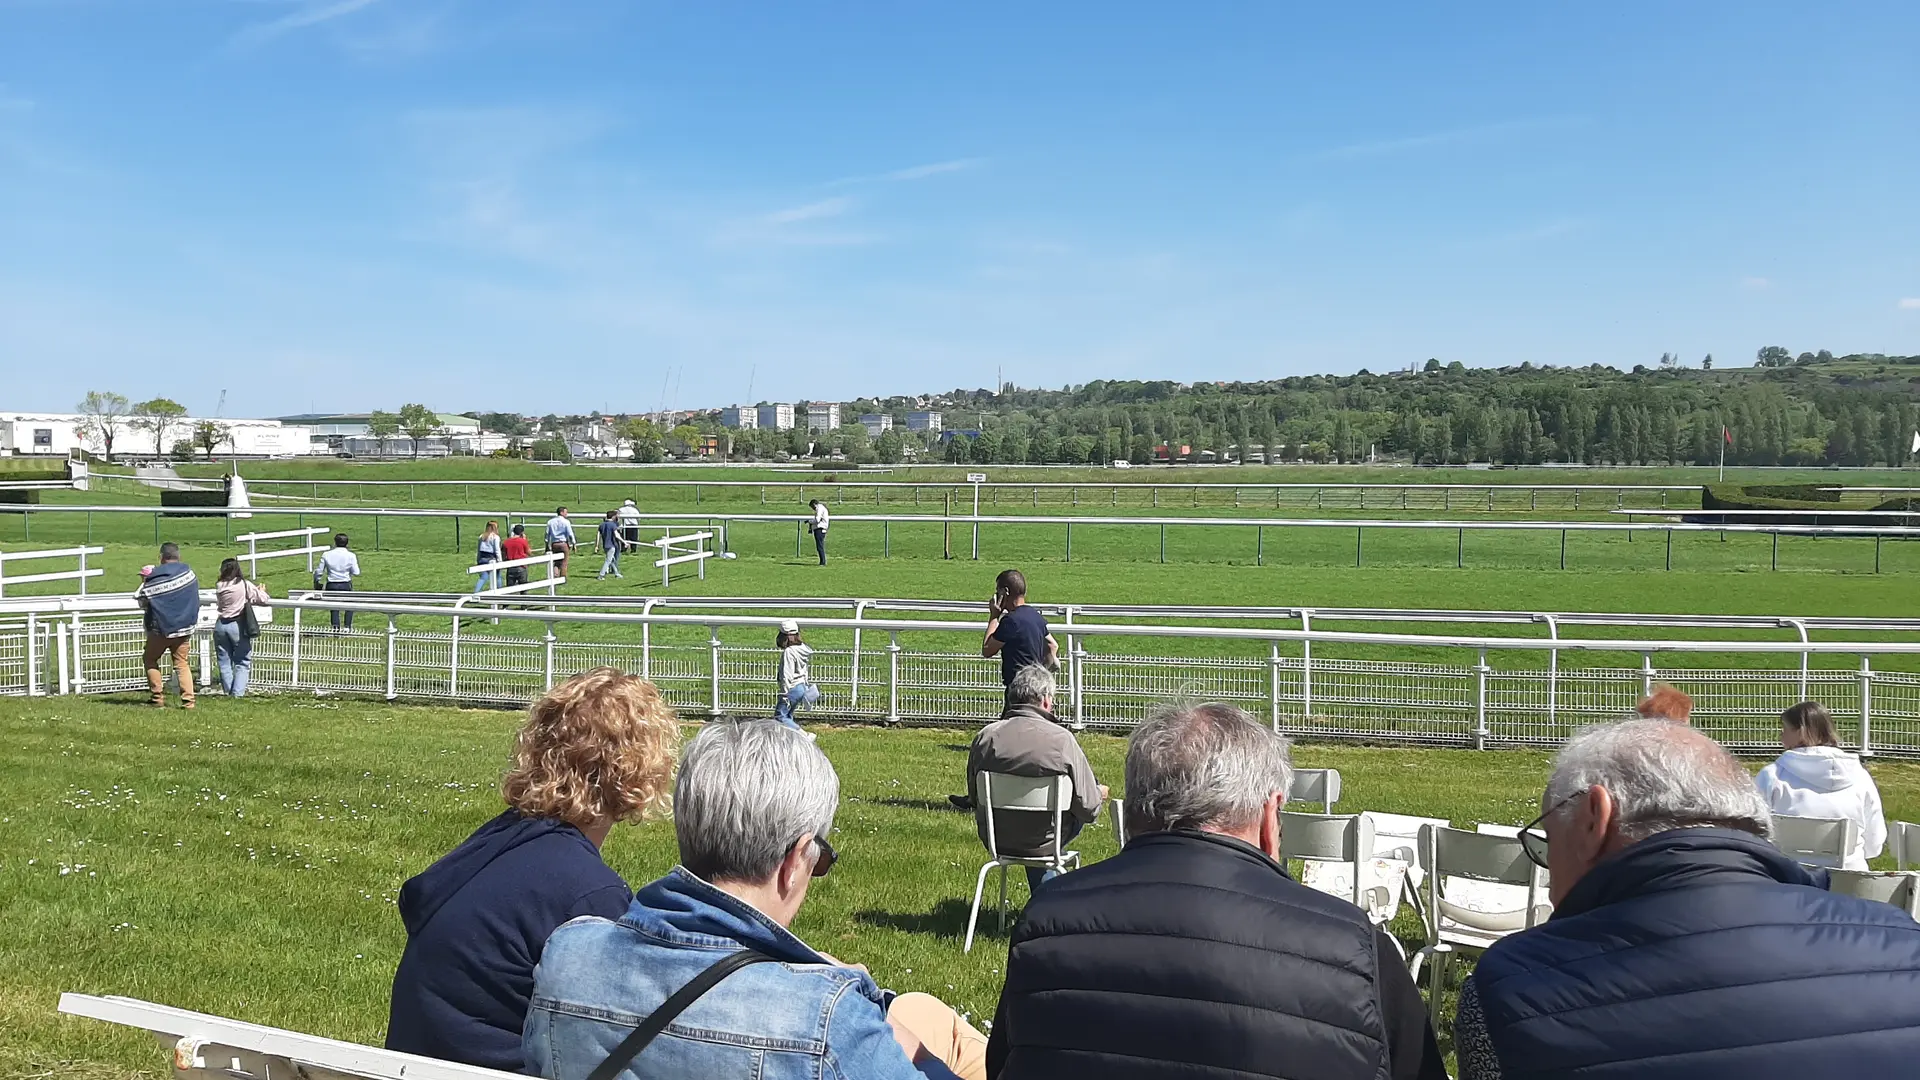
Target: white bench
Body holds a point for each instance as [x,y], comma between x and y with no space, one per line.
[215,1048]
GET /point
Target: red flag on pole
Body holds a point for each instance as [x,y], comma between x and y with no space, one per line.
[1727,435]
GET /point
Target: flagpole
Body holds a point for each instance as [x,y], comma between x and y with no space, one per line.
[1723,455]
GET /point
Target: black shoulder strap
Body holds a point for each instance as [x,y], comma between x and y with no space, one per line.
[671,1009]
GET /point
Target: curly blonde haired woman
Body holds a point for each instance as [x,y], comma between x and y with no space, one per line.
[596,750]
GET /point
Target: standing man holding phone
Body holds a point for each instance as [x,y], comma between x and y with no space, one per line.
[1016,631]
[821,521]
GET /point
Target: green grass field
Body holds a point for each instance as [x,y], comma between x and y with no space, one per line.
[242,859]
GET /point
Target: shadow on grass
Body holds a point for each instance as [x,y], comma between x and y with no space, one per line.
[941,805]
[948,919]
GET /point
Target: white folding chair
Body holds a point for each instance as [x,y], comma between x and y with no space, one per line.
[1345,843]
[1450,926]
[1315,785]
[1904,838]
[1901,888]
[1024,795]
[1822,842]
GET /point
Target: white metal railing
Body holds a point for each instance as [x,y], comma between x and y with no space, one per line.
[304,537]
[672,555]
[80,575]
[551,582]
[1456,689]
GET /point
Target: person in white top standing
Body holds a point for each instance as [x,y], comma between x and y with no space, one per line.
[1815,778]
[821,520]
[796,676]
[629,517]
[338,568]
[560,538]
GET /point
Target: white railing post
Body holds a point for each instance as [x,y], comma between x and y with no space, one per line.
[893,678]
[547,655]
[1553,673]
[1273,687]
[393,635]
[1078,658]
[1074,720]
[646,639]
[1306,666]
[60,649]
[453,657]
[1866,707]
[295,677]
[83,570]
[33,655]
[700,548]
[853,694]
[713,650]
[205,643]
[79,667]
[1801,626]
[1646,674]
[1480,732]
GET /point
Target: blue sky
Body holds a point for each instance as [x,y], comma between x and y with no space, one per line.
[566,205]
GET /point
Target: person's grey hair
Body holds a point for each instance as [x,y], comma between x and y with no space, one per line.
[1031,685]
[747,790]
[1203,766]
[1661,776]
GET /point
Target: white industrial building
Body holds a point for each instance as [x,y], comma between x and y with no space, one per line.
[25,434]
[776,417]
[823,416]
[745,418]
[875,423]
[923,421]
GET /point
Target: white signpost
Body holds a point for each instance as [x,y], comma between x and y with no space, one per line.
[976,479]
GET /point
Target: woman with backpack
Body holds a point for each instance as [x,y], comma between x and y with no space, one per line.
[236,627]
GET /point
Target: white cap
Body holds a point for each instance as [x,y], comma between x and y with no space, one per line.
[629,502]
[789,626]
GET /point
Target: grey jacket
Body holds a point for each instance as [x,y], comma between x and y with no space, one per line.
[1028,741]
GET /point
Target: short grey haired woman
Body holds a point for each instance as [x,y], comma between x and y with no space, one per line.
[752,808]
[1816,778]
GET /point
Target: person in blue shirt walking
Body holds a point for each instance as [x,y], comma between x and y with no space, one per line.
[560,538]
[611,543]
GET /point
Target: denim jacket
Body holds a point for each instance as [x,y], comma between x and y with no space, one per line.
[803,1017]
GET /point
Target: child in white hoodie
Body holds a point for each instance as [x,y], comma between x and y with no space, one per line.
[1815,778]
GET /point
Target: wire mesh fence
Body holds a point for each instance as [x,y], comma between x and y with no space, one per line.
[1486,699]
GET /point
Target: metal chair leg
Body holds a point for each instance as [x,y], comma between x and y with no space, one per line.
[973,917]
[1003,899]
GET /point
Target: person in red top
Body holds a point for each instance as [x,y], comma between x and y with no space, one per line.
[515,547]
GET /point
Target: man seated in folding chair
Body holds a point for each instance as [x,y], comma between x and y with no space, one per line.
[1028,740]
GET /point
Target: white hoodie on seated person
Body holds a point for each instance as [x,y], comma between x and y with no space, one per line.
[1827,782]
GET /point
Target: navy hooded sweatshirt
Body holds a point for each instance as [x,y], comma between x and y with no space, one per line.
[476,923]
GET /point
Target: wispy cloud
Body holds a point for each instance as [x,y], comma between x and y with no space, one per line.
[305,14]
[813,211]
[1910,303]
[1428,140]
[1756,284]
[912,172]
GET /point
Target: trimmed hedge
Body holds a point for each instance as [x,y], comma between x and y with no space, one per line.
[195,498]
[1788,497]
[19,496]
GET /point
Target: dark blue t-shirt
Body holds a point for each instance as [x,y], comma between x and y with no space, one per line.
[1022,634]
[477,921]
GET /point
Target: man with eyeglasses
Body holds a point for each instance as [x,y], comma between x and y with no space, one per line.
[704,961]
[1683,944]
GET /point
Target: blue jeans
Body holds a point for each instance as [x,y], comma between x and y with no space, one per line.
[487,580]
[234,651]
[1040,875]
[802,694]
[612,565]
[340,586]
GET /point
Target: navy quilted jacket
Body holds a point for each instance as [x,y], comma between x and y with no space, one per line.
[1705,954]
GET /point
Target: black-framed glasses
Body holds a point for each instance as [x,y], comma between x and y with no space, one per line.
[1533,835]
[824,864]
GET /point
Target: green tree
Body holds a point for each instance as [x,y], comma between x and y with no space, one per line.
[102,414]
[889,447]
[1772,356]
[209,434]
[158,417]
[419,422]
[644,439]
[383,426]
